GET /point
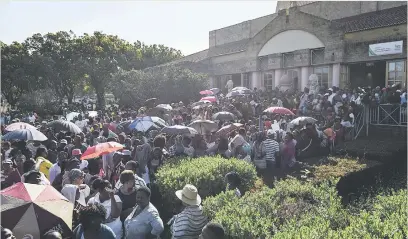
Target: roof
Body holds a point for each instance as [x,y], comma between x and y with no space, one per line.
[228,48]
[195,57]
[372,20]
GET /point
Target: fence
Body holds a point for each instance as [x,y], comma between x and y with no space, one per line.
[388,115]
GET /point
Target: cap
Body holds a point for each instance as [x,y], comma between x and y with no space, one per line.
[126,152]
[76,152]
[63,141]
[270,132]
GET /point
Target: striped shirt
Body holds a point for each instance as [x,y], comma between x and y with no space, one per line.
[189,223]
[271,147]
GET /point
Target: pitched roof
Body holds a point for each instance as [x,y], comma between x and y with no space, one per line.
[228,48]
[371,20]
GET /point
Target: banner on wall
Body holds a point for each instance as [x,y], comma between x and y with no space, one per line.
[387,48]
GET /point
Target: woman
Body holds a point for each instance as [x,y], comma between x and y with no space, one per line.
[259,151]
[288,151]
[19,160]
[12,175]
[233,182]
[43,164]
[91,225]
[112,204]
[76,177]
[142,157]
[190,222]
[144,221]
[72,193]
[127,193]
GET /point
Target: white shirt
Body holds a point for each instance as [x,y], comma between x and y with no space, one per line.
[81,124]
[54,171]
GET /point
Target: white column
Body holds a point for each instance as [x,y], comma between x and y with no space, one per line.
[336,75]
[256,79]
[304,77]
[278,75]
[211,82]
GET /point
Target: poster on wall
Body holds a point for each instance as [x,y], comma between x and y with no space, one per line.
[387,48]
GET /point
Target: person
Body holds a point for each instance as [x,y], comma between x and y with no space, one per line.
[288,151]
[52,234]
[56,168]
[127,193]
[76,177]
[7,233]
[142,157]
[233,182]
[12,175]
[43,164]
[30,165]
[190,222]
[112,204]
[33,177]
[134,167]
[144,221]
[81,123]
[91,225]
[212,231]
[271,149]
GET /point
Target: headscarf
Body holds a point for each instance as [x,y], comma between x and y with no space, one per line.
[69,191]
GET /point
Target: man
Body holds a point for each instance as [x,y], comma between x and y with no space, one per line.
[271,148]
[212,231]
[62,144]
[81,123]
[303,100]
[76,153]
[56,168]
[78,144]
[229,85]
[134,166]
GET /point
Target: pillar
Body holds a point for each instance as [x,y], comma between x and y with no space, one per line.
[278,75]
[336,75]
[211,82]
[304,77]
[256,80]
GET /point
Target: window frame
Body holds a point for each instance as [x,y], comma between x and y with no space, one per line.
[314,52]
[268,76]
[285,57]
[402,72]
[245,80]
[320,75]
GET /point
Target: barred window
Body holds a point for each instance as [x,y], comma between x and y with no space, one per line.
[288,59]
[268,80]
[322,73]
[245,80]
[317,56]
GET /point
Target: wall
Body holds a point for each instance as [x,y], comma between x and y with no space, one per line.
[358,52]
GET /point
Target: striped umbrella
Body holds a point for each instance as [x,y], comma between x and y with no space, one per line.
[30,210]
[19,125]
[101,149]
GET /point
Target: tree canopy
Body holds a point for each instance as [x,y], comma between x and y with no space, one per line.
[66,63]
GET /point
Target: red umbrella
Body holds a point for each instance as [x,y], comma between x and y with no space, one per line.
[206,92]
[279,110]
[101,149]
[30,210]
[212,99]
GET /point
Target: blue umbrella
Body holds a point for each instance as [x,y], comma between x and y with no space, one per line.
[142,124]
[25,134]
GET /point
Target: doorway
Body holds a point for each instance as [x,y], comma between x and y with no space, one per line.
[368,74]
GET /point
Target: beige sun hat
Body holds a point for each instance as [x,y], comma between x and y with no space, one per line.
[189,195]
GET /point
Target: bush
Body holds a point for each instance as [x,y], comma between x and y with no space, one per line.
[206,173]
[337,167]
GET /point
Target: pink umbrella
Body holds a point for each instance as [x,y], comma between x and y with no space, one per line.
[279,110]
[212,99]
[206,92]
[100,149]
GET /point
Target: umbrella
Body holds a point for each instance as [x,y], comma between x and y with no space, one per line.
[142,124]
[30,210]
[63,125]
[223,115]
[100,149]
[178,129]
[124,126]
[209,98]
[228,129]
[159,122]
[206,92]
[215,90]
[150,101]
[279,110]
[72,115]
[25,134]
[234,93]
[241,88]
[303,120]
[166,107]
[204,126]
[19,125]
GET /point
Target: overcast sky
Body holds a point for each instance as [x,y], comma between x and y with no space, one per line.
[183,25]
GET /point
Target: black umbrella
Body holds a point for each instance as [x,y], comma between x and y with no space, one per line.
[63,125]
[223,115]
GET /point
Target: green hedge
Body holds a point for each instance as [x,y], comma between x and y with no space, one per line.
[295,209]
[206,173]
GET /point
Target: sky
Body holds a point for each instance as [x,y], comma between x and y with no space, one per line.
[183,25]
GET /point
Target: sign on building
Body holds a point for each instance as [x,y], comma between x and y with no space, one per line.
[387,48]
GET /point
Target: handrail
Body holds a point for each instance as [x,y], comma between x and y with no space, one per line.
[388,115]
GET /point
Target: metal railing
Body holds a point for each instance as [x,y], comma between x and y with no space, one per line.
[358,123]
[388,115]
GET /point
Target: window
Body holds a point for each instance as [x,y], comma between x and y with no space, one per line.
[245,80]
[322,73]
[288,59]
[344,80]
[218,82]
[396,73]
[268,80]
[317,56]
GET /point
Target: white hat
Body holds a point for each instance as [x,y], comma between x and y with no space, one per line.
[189,195]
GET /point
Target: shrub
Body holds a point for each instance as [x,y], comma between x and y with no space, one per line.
[206,173]
[337,167]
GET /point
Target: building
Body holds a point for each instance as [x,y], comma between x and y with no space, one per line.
[345,44]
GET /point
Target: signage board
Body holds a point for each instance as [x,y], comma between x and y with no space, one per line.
[387,48]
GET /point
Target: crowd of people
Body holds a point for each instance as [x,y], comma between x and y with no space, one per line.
[112,192]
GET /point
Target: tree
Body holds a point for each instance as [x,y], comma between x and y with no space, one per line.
[18,72]
[154,55]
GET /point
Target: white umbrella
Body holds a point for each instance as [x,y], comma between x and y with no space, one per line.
[179,129]
[72,115]
[204,126]
[159,121]
[165,106]
[19,125]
